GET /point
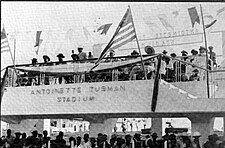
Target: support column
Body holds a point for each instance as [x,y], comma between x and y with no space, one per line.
[27,126]
[223,128]
[203,124]
[156,126]
[104,126]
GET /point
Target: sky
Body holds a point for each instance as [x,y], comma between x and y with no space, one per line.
[62,25]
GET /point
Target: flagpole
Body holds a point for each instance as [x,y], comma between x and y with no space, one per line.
[207,73]
[138,45]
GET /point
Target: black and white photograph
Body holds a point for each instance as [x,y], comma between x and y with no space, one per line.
[104,74]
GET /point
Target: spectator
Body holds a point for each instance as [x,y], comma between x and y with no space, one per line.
[60,57]
[79,145]
[196,143]
[154,140]
[33,141]
[212,56]
[104,143]
[127,143]
[93,142]
[72,142]
[46,59]
[82,55]
[60,141]
[17,141]
[90,56]
[74,56]
[86,143]
[34,61]
[164,52]
[134,53]
[45,139]
[9,139]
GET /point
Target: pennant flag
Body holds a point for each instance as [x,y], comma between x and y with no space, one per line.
[210,24]
[165,21]
[4,42]
[38,46]
[38,35]
[86,33]
[220,11]
[194,16]
[104,28]
[148,21]
[124,34]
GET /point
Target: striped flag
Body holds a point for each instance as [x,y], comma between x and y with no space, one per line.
[124,34]
[4,41]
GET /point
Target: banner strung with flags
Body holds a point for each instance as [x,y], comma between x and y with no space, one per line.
[38,41]
[104,28]
[124,34]
[4,42]
[194,16]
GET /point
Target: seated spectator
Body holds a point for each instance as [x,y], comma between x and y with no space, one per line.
[82,55]
[60,57]
[46,59]
[134,53]
[90,56]
[74,56]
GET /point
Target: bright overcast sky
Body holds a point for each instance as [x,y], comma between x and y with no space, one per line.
[62,25]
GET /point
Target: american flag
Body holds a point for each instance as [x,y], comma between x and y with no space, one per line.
[4,41]
[124,34]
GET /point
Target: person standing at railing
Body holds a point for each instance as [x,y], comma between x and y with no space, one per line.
[82,55]
[184,55]
[171,69]
[212,56]
[201,58]
[60,58]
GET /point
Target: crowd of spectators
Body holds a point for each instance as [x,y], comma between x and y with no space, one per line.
[169,140]
[173,68]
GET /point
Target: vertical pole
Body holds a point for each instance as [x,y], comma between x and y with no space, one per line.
[138,46]
[207,73]
[14,55]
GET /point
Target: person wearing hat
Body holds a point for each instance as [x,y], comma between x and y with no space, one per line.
[184,76]
[82,55]
[164,52]
[9,139]
[46,58]
[155,143]
[212,55]
[34,61]
[17,140]
[170,68]
[60,57]
[74,56]
[195,142]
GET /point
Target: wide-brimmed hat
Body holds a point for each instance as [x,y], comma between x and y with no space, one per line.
[201,48]
[173,55]
[194,51]
[34,60]
[196,134]
[164,52]
[60,55]
[210,47]
[184,52]
[80,48]
[45,57]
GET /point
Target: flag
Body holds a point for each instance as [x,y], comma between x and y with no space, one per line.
[194,16]
[38,41]
[3,83]
[104,28]
[210,24]
[4,42]
[165,21]
[124,34]
[86,33]
[220,11]
[148,21]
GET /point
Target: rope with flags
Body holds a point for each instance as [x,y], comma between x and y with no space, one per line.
[124,34]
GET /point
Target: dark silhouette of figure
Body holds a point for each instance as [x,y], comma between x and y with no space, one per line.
[74,56]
